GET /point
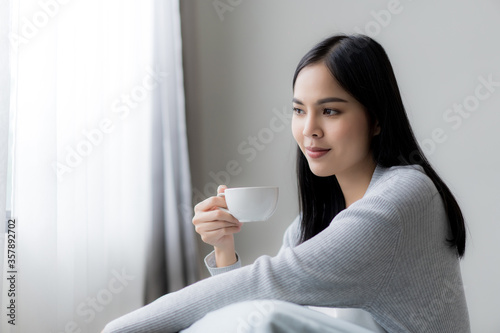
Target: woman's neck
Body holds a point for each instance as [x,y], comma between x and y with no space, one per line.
[355,181]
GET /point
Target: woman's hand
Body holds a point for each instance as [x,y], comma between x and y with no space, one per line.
[217,227]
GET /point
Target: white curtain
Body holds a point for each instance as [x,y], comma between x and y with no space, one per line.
[101,188]
[4,130]
[171,161]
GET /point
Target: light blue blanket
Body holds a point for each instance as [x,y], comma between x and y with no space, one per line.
[271,316]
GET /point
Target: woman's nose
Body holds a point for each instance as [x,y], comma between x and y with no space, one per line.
[312,127]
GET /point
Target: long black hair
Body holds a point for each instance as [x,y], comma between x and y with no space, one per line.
[361,66]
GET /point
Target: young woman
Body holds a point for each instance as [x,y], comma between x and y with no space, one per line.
[378,229]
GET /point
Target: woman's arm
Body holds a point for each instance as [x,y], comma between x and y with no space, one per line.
[344,265]
[290,239]
[291,236]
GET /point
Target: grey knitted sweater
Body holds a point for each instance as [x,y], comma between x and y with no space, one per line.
[386,254]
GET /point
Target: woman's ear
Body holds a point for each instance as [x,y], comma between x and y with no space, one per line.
[376,128]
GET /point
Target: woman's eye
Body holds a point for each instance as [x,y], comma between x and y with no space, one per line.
[330,112]
[298,111]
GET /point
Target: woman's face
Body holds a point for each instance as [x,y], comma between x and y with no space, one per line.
[331,128]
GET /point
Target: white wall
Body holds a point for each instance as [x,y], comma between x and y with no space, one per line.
[239,67]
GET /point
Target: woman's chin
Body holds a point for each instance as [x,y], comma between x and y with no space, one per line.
[319,172]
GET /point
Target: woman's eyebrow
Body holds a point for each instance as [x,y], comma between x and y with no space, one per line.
[323,100]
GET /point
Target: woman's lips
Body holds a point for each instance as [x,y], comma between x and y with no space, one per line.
[316,152]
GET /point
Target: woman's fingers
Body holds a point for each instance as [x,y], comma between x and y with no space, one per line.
[220,215]
[216,215]
[216,225]
[221,189]
[210,204]
[215,201]
[215,237]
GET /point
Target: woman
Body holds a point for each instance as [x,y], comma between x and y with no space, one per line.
[378,229]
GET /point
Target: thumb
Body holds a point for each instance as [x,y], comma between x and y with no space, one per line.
[221,189]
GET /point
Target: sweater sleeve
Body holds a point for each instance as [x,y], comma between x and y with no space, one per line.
[291,236]
[212,265]
[345,265]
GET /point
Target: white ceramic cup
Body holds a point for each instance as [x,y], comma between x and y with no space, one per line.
[251,204]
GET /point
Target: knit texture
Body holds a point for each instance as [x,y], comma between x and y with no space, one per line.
[386,254]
